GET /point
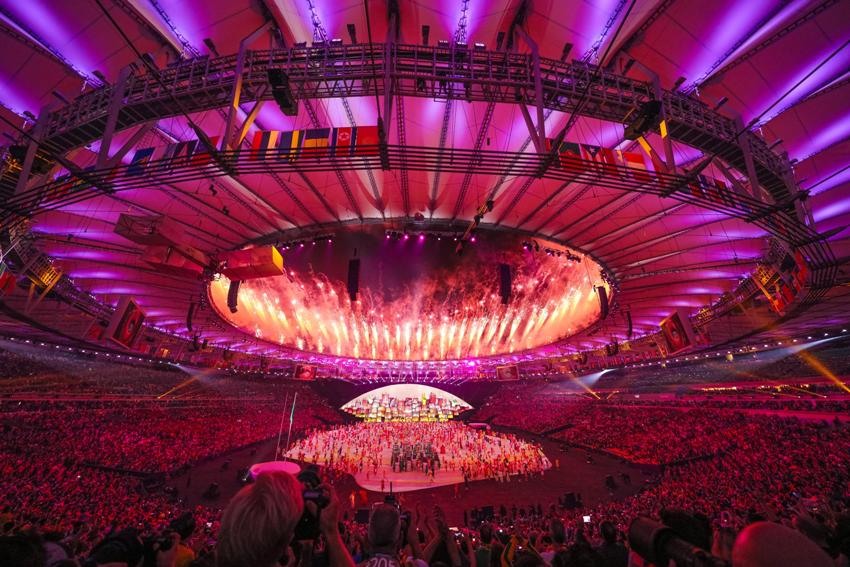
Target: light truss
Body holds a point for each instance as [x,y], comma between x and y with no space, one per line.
[417,71]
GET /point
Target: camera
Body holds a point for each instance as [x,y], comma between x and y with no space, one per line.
[315,499]
[659,544]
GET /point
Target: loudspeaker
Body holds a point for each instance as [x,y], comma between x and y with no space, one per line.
[189,315]
[645,119]
[603,301]
[282,93]
[570,502]
[505,283]
[233,295]
[629,321]
[353,278]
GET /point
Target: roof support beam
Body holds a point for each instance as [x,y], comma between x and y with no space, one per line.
[228,139]
[116,101]
[249,121]
[134,139]
[32,149]
[539,133]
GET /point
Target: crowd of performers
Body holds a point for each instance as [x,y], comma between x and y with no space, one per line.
[371,449]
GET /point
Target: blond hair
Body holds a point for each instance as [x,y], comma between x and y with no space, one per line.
[259,522]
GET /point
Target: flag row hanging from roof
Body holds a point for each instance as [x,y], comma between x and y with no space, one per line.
[355,141]
[363,141]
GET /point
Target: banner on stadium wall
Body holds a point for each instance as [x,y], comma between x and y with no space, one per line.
[306,372]
[7,280]
[782,282]
[507,373]
[363,141]
[677,332]
[126,323]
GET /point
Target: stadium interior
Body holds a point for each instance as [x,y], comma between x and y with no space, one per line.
[591,309]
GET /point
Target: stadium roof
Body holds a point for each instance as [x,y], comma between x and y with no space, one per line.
[779,69]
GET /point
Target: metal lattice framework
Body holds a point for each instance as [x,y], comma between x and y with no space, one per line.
[417,71]
[437,73]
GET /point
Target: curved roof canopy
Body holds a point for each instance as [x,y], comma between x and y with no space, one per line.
[776,73]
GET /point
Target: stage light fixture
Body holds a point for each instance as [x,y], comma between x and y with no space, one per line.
[478,46]
[443,44]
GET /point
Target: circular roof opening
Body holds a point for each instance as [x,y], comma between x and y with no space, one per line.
[418,298]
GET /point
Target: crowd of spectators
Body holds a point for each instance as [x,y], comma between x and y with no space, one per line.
[722,473]
[73,460]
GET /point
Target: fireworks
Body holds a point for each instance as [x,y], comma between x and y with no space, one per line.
[443,313]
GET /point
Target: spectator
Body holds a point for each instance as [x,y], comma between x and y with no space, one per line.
[613,552]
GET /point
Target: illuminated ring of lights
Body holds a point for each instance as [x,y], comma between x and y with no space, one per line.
[216,292]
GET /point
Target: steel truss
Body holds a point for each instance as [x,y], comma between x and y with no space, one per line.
[418,71]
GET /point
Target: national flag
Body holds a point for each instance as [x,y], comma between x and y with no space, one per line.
[637,166]
[342,142]
[569,156]
[710,188]
[7,281]
[139,161]
[264,141]
[289,145]
[316,141]
[70,183]
[177,154]
[611,163]
[724,192]
[367,141]
[696,189]
[180,152]
[603,158]
[203,156]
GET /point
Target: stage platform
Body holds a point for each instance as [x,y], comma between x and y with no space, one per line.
[474,446]
[575,474]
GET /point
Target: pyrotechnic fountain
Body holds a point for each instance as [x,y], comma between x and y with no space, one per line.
[418,300]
